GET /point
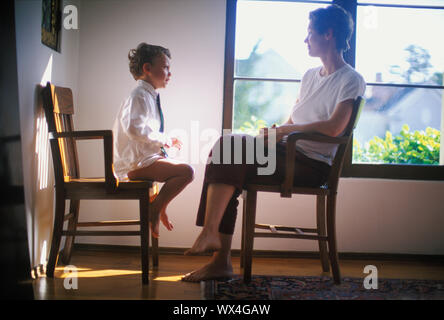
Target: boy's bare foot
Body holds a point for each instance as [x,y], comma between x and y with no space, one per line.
[155,218]
[154,222]
[154,230]
[206,242]
[164,218]
[211,271]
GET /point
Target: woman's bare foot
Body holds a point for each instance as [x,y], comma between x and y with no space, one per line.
[211,271]
[207,241]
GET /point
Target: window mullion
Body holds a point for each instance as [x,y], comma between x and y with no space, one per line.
[230,34]
[351,7]
[349,57]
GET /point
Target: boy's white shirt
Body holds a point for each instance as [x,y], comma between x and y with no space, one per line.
[319,96]
[137,139]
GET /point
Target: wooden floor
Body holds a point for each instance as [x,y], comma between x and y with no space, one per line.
[116,275]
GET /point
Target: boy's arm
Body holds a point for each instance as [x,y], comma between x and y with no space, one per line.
[140,125]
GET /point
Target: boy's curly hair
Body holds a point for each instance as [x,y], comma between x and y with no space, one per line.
[142,54]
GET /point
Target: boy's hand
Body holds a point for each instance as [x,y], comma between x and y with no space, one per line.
[176,143]
[173,142]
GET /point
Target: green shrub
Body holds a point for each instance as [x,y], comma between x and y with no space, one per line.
[253,127]
[417,147]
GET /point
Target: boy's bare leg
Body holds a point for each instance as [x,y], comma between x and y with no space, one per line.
[219,266]
[175,175]
[218,196]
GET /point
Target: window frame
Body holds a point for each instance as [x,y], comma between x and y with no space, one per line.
[354,170]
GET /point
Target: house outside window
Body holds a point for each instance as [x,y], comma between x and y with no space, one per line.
[396,47]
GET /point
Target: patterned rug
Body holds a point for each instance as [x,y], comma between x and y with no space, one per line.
[322,288]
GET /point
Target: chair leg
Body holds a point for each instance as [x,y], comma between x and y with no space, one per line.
[72,226]
[331,230]
[320,220]
[144,237]
[155,251]
[250,221]
[56,233]
[244,214]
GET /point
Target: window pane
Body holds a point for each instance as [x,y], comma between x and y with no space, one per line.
[400,125]
[400,45]
[435,3]
[261,103]
[270,39]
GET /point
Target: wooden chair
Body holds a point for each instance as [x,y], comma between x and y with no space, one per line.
[325,206]
[58,107]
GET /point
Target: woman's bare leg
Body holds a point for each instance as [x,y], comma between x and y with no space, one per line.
[175,175]
[219,265]
[218,196]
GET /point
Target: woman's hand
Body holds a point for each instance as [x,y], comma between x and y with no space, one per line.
[279,132]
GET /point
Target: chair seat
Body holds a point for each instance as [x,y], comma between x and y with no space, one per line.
[273,184]
[100,183]
[322,190]
[95,188]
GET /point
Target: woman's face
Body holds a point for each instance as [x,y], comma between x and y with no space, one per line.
[316,43]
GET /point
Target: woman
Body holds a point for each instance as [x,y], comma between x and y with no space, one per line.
[325,104]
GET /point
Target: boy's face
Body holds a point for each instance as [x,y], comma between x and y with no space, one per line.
[158,74]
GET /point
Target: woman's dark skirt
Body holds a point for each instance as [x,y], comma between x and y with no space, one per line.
[308,173]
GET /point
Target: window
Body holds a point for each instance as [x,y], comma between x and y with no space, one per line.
[270,58]
[398,135]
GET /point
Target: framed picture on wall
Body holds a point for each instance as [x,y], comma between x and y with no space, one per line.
[51,21]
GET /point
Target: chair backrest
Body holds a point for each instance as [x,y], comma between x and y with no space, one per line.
[59,108]
[338,160]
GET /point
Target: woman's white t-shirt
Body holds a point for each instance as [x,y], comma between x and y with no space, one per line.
[319,95]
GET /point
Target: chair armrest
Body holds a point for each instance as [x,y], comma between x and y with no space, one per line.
[107,136]
[287,185]
[314,136]
[82,135]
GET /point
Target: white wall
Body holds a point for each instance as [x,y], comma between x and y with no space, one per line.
[373,215]
[37,63]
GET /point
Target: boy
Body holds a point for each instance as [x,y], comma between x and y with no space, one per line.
[139,142]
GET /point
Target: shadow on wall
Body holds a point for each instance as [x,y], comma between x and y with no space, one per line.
[14,258]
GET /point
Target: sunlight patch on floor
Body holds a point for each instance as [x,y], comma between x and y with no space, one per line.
[78,269]
[90,273]
[169,278]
